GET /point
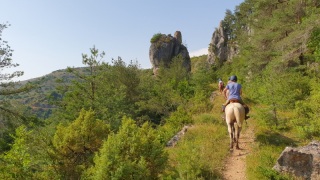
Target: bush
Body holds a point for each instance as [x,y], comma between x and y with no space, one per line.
[132,153]
[174,124]
[155,37]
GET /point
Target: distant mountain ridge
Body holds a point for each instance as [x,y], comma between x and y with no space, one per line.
[37,99]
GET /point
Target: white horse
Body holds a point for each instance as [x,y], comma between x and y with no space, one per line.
[235,115]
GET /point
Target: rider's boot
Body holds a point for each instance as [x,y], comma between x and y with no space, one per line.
[246,111]
[223,107]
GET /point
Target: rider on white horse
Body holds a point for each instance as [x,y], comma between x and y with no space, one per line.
[235,92]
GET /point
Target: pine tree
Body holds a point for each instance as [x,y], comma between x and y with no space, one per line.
[10,116]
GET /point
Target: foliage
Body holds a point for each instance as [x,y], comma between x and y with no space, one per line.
[174,123]
[228,25]
[76,143]
[314,44]
[155,37]
[132,153]
[277,65]
[109,90]
[306,123]
[27,158]
[18,161]
[40,100]
[5,58]
[261,162]
[11,117]
[200,80]
[193,157]
[273,92]
[164,93]
[82,92]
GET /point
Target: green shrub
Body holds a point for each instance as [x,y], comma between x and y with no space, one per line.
[155,37]
[132,153]
[314,43]
[174,124]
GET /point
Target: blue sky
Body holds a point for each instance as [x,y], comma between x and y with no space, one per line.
[48,35]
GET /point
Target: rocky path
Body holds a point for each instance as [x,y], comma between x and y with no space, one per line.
[235,166]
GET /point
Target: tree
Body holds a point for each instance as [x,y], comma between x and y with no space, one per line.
[165,92]
[109,90]
[17,163]
[5,58]
[228,24]
[82,93]
[132,153]
[76,143]
[9,116]
[28,157]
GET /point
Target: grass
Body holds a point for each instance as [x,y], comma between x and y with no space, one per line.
[200,154]
[261,162]
[269,144]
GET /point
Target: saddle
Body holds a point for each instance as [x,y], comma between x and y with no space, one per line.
[234,101]
[246,108]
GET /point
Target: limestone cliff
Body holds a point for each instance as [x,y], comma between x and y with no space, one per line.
[220,50]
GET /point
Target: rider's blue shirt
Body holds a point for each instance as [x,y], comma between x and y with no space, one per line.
[234,90]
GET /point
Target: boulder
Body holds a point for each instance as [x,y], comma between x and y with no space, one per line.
[164,48]
[174,140]
[302,162]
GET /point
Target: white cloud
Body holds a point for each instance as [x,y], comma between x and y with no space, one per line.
[199,52]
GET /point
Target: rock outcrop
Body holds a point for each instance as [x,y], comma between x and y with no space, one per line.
[303,162]
[219,49]
[164,48]
[174,140]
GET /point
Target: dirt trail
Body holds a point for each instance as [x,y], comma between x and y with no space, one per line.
[235,166]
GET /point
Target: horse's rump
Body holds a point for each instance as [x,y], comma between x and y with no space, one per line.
[235,112]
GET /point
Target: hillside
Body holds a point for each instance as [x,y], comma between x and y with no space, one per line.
[37,99]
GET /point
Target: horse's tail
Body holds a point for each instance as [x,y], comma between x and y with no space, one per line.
[237,115]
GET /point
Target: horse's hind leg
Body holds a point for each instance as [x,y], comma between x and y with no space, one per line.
[231,134]
[234,134]
[238,130]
